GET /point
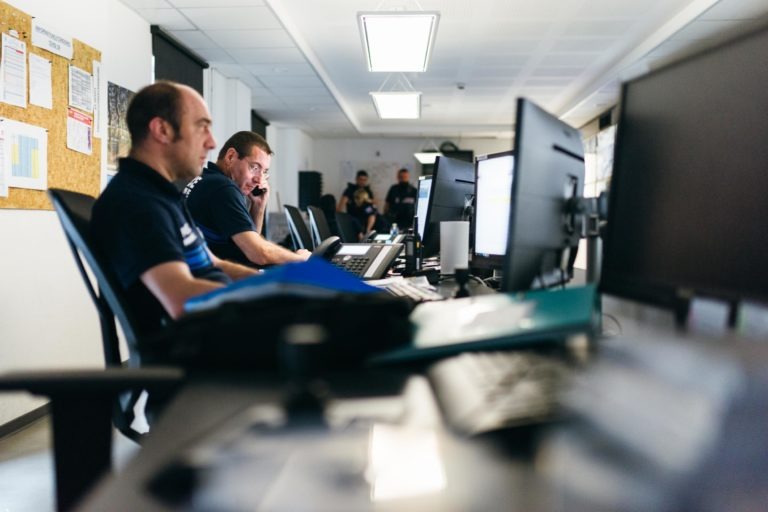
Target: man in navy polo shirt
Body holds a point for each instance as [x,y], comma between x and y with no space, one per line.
[140,222]
[228,203]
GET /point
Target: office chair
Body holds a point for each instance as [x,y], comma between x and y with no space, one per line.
[74,211]
[349,228]
[318,225]
[300,235]
[84,401]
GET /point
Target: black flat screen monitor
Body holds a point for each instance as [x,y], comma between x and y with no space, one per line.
[453,188]
[688,202]
[549,173]
[493,193]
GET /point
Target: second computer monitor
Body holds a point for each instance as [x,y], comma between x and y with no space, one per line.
[493,192]
[549,179]
[453,189]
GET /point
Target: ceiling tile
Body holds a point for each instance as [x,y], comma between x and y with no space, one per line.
[232,18]
[596,45]
[193,39]
[267,55]
[307,92]
[263,38]
[215,55]
[147,4]
[212,3]
[291,81]
[169,19]
[281,69]
[600,28]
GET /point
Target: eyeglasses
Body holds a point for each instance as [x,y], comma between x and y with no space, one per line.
[255,167]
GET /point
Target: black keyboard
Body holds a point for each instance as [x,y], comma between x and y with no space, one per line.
[487,391]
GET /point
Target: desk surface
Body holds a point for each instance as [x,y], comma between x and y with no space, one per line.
[335,471]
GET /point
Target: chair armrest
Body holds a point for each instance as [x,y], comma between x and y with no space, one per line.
[81,404]
[108,381]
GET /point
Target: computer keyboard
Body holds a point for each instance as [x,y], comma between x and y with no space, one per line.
[487,391]
[418,292]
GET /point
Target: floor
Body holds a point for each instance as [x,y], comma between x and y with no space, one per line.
[26,467]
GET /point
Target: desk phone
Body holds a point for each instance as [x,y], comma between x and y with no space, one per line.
[365,260]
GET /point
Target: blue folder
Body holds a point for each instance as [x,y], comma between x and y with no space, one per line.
[312,278]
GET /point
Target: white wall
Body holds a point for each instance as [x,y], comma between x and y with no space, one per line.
[46,317]
[229,101]
[294,152]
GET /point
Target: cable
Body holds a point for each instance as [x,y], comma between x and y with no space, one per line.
[616,321]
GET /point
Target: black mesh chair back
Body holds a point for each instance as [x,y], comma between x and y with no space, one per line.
[318,225]
[300,235]
[349,227]
[74,212]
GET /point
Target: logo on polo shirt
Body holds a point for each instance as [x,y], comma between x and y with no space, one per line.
[188,235]
[191,185]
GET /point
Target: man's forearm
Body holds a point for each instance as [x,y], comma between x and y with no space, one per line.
[263,252]
[258,212]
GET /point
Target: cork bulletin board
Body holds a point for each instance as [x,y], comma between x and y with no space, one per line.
[67,168]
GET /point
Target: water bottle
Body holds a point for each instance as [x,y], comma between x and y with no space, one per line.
[393,231]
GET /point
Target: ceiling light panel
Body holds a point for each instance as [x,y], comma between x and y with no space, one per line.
[398,104]
[398,41]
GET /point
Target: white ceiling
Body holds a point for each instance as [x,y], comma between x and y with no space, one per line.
[304,63]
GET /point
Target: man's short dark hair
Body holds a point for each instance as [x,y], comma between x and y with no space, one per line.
[361,173]
[161,99]
[242,142]
[401,171]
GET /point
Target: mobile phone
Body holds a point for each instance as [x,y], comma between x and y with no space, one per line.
[257,192]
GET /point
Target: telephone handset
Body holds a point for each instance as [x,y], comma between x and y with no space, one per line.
[368,261]
[328,248]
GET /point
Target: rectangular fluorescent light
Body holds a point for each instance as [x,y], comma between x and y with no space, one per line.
[397,104]
[398,41]
[427,157]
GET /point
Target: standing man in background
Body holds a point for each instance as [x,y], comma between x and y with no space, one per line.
[229,203]
[400,204]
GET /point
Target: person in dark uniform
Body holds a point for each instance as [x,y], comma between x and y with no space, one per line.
[140,222]
[347,200]
[400,204]
[228,203]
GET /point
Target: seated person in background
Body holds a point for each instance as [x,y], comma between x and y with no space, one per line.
[400,204]
[367,215]
[347,202]
[228,203]
[140,222]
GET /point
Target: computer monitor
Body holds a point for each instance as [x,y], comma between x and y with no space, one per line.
[493,193]
[549,178]
[688,201]
[422,202]
[453,188]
